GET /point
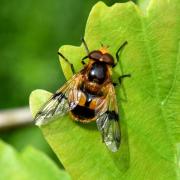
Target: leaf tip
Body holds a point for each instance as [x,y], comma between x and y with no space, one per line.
[36,99]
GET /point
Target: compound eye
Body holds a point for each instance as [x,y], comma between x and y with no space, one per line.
[107,58]
[95,55]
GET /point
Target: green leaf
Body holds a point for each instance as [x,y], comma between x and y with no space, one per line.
[30,164]
[149,118]
[143,4]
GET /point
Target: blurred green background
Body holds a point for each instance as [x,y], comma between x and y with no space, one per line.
[30,35]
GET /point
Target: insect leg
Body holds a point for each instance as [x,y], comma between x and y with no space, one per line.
[85,45]
[87,50]
[120,83]
[122,77]
[120,48]
[118,51]
[71,65]
[82,60]
[115,84]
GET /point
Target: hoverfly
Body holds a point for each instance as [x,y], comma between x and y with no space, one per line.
[89,96]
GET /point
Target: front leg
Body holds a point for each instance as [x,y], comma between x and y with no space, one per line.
[120,49]
[82,60]
[70,64]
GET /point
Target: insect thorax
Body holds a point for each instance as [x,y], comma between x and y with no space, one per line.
[98,72]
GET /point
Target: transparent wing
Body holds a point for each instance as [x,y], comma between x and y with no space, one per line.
[108,121]
[58,104]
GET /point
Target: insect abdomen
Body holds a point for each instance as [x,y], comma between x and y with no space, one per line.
[83,113]
[85,109]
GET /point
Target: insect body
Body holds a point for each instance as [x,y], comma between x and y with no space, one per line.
[89,96]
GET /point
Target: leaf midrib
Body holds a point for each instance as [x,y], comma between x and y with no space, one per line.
[171,89]
[156,96]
